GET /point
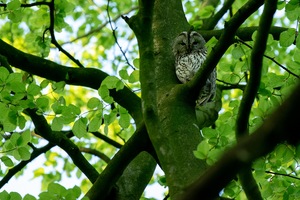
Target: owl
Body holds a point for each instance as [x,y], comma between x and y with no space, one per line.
[190,53]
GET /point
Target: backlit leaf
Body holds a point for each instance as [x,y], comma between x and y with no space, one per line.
[80,127]
[287,37]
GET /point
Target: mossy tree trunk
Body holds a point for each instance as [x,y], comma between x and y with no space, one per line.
[169,112]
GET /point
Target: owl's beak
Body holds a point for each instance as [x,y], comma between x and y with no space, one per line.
[189,49]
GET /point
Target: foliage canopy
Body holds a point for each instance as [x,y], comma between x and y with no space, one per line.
[97,80]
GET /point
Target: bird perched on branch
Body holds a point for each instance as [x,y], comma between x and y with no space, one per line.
[190,53]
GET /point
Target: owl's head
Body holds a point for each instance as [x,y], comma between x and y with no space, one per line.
[188,42]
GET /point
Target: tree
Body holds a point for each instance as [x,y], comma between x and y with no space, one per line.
[107,96]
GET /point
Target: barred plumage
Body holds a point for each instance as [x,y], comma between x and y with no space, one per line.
[190,53]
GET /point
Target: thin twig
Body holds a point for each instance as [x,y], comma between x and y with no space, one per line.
[114,35]
[287,175]
[12,171]
[100,27]
[53,39]
[270,58]
[94,152]
[25,5]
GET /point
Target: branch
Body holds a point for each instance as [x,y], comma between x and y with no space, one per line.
[280,174]
[100,27]
[13,171]
[88,77]
[244,33]
[279,127]
[255,69]
[107,139]
[245,176]
[212,22]
[230,86]
[272,59]
[114,35]
[25,5]
[61,140]
[94,152]
[137,143]
[53,39]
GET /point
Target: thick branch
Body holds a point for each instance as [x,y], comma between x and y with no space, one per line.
[137,143]
[61,140]
[88,77]
[246,178]
[255,68]
[25,5]
[279,127]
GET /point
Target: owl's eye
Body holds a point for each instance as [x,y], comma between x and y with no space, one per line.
[195,43]
[182,43]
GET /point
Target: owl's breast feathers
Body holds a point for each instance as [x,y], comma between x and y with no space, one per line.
[187,65]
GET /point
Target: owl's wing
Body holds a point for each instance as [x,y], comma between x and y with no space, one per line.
[208,92]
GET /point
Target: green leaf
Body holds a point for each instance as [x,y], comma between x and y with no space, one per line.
[42,103]
[202,150]
[57,124]
[4,73]
[46,195]
[134,76]
[104,94]
[136,63]
[58,86]
[15,16]
[8,146]
[24,153]
[287,37]
[70,113]
[24,138]
[292,5]
[17,87]
[44,83]
[280,5]
[29,197]
[56,189]
[80,127]
[112,82]
[21,121]
[95,124]
[207,12]
[13,5]
[124,120]
[4,195]
[15,77]
[3,110]
[15,153]
[15,196]
[298,42]
[237,52]
[209,132]
[93,103]
[7,161]
[123,74]
[33,89]
[76,191]
[58,106]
